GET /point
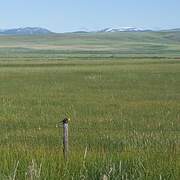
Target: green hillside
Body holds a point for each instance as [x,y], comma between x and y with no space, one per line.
[81,45]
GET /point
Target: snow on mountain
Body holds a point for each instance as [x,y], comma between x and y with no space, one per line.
[124,29]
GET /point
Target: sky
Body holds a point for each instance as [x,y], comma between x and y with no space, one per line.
[74,15]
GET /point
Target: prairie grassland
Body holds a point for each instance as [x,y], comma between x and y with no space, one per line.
[121,91]
[125,119]
[91,45]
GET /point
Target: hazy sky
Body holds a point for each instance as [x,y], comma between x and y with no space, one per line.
[71,15]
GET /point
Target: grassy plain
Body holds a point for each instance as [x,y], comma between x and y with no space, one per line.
[124,107]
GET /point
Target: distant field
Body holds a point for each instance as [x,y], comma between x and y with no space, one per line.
[122,97]
[123,44]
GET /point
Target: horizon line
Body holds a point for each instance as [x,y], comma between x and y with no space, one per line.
[92,30]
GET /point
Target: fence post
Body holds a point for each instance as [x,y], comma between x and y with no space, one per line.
[65,138]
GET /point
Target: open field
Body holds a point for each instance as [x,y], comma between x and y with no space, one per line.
[125,111]
[90,45]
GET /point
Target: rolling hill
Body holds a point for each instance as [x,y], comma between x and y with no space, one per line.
[91,45]
[25,31]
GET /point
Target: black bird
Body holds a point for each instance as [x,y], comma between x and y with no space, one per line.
[65,120]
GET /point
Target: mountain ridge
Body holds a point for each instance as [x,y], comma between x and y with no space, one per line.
[44,31]
[124,29]
[130,29]
[26,31]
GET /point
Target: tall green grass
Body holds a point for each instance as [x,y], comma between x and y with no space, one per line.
[125,119]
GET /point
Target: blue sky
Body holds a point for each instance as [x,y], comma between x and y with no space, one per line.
[71,15]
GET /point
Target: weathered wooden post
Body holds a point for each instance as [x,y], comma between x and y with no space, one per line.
[65,138]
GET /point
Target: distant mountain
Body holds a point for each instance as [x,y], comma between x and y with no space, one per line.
[124,29]
[129,29]
[80,32]
[171,30]
[43,31]
[25,31]
[121,29]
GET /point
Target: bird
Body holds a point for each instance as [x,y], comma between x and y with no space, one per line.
[65,120]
